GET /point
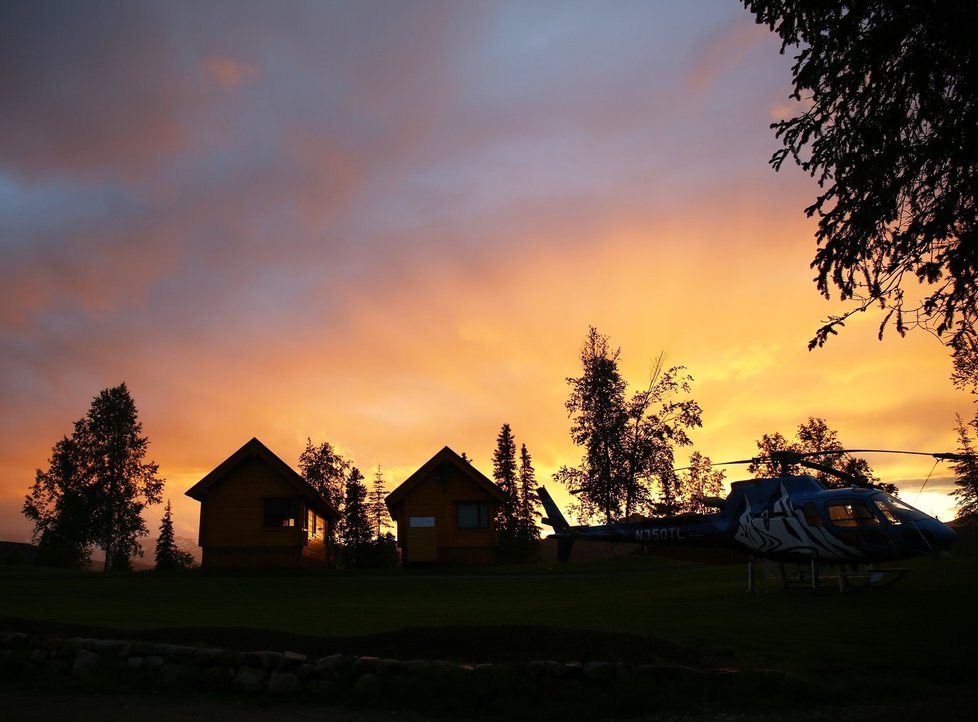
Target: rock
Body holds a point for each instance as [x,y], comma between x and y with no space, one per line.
[599,671]
[416,667]
[333,666]
[270,660]
[208,657]
[291,660]
[178,677]
[367,686]
[14,640]
[217,678]
[111,647]
[153,663]
[250,680]
[362,665]
[284,683]
[86,664]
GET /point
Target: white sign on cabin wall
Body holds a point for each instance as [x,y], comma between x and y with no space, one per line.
[422,521]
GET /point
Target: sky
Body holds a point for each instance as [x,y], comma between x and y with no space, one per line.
[390,225]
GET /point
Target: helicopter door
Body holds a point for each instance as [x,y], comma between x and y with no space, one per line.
[857,525]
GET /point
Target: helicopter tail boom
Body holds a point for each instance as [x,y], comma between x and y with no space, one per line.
[554,518]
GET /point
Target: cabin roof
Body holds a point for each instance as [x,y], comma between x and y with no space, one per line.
[256,449]
[445,456]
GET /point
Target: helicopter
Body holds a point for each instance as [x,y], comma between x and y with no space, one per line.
[801,528]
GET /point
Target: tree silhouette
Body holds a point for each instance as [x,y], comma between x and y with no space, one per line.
[377,509]
[97,486]
[168,555]
[504,474]
[58,506]
[325,470]
[356,530]
[887,127]
[699,481]
[822,446]
[518,534]
[966,470]
[628,442]
[527,495]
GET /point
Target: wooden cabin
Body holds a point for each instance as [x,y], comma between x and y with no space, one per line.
[256,511]
[445,513]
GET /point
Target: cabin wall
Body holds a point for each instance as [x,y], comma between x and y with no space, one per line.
[232,523]
[436,498]
[234,512]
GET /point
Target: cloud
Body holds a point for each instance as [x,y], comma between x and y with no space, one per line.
[390,226]
[717,53]
[90,91]
[228,72]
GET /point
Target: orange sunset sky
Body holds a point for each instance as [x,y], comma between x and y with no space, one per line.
[389,225]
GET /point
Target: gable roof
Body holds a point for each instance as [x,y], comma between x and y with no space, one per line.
[256,449]
[445,456]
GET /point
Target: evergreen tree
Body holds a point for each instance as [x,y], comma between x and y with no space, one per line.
[376,506]
[966,470]
[97,486]
[527,495]
[518,534]
[504,474]
[628,442]
[355,528]
[168,555]
[597,406]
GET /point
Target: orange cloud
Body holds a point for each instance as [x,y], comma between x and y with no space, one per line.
[228,72]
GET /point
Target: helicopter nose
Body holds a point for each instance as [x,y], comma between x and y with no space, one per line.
[943,535]
[930,536]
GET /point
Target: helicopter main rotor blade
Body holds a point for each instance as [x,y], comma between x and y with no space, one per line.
[786,456]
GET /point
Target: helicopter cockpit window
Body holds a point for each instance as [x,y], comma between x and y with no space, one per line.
[887,511]
[853,513]
[812,516]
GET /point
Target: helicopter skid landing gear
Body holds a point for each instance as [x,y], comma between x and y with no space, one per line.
[816,576]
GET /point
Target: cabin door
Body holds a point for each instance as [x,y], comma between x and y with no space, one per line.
[422,543]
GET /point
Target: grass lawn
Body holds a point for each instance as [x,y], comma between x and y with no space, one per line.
[922,625]
[884,651]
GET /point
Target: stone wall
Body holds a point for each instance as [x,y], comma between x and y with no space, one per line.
[120,666]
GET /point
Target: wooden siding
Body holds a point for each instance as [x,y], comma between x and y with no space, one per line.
[232,523]
[437,496]
[241,517]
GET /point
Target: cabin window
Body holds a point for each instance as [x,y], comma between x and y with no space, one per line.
[312,523]
[472,515]
[281,512]
[853,513]
[812,516]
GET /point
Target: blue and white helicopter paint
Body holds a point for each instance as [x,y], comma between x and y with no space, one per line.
[788,520]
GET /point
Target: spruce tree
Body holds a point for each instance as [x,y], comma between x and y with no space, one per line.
[168,555]
[355,528]
[628,442]
[377,507]
[966,470]
[528,530]
[504,474]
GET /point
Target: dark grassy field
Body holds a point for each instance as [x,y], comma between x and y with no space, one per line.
[911,641]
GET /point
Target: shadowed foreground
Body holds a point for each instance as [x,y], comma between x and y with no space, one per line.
[888,653]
